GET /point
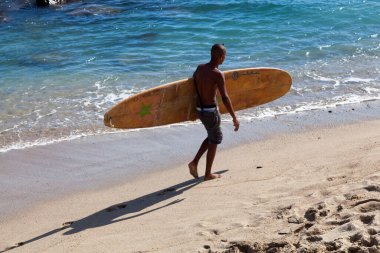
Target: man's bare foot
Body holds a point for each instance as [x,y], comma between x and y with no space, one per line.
[212,176]
[193,170]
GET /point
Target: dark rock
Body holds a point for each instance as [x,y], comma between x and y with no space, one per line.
[42,3]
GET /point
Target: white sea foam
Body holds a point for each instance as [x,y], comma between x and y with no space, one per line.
[46,141]
[358,80]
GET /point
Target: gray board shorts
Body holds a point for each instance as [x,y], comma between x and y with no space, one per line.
[211,120]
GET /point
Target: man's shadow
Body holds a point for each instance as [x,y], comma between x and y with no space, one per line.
[112,213]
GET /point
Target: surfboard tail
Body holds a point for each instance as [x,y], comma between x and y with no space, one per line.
[107,120]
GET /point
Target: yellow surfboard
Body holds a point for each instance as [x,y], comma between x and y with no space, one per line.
[175,102]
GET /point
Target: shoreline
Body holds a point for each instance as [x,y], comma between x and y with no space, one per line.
[57,170]
[265,184]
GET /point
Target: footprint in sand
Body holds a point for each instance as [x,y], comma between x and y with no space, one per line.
[368,205]
[367,219]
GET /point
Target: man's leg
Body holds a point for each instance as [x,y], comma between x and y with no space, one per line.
[210,159]
[193,165]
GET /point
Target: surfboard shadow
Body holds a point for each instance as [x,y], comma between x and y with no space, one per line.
[112,213]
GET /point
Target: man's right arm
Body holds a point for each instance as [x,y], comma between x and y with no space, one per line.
[226,99]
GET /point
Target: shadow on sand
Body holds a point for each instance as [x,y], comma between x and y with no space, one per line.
[112,213]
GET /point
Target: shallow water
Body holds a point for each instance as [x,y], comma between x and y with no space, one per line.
[62,67]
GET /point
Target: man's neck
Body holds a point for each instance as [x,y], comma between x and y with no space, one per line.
[213,64]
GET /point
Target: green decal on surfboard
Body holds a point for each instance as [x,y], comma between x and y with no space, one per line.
[145,110]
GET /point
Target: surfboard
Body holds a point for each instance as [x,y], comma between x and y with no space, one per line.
[175,102]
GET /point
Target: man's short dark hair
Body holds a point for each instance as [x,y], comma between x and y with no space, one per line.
[218,50]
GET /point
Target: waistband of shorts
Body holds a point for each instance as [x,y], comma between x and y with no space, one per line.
[207,109]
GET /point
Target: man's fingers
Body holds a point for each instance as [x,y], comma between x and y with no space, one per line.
[236,124]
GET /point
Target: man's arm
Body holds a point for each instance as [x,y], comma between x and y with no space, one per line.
[226,99]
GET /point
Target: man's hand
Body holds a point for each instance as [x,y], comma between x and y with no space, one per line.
[236,124]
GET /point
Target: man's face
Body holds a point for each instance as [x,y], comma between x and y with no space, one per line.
[222,58]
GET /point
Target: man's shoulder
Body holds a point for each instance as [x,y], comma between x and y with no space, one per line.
[203,65]
[218,72]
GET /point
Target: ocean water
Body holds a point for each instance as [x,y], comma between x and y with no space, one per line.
[63,66]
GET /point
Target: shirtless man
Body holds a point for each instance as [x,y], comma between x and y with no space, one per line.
[208,79]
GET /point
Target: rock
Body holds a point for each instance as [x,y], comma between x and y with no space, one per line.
[42,3]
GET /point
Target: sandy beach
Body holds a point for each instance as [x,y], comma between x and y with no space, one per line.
[315,190]
[302,174]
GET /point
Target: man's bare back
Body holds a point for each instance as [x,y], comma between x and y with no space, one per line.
[206,79]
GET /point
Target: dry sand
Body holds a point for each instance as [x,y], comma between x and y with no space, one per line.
[316,191]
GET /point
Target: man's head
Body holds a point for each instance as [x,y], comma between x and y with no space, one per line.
[218,53]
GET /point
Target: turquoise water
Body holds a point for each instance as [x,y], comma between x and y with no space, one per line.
[62,67]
